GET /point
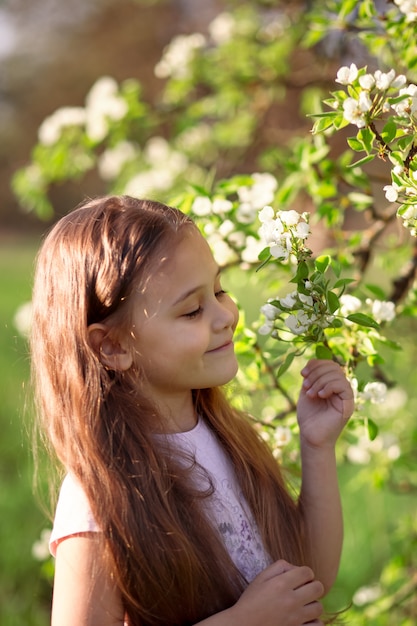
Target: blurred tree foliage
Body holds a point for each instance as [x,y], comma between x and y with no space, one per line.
[310,110]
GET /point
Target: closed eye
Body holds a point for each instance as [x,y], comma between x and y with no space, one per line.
[220,293]
[194,314]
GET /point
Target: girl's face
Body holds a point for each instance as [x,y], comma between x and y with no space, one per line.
[183,324]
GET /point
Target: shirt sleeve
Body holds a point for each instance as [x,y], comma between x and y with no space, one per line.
[73,513]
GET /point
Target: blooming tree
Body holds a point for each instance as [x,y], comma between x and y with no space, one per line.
[325,235]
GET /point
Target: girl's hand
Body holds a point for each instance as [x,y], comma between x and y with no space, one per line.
[325,404]
[281,595]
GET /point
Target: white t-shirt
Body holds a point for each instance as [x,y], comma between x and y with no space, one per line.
[226,508]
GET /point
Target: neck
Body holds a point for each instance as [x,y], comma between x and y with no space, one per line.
[178,414]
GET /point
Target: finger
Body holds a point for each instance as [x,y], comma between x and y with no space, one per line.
[312,612]
[324,372]
[276,569]
[329,385]
[318,367]
[300,579]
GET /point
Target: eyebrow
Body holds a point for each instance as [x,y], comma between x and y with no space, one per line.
[193,290]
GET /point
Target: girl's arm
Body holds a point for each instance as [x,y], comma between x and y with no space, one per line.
[83,593]
[326,402]
[282,595]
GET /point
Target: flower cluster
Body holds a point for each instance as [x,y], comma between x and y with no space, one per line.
[301,312]
[365,92]
[255,196]
[284,232]
[385,98]
[403,190]
[409,8]
[381,310]
[103,103]
[160,169]
[178,55]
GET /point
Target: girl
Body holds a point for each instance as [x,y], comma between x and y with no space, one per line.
[173,511]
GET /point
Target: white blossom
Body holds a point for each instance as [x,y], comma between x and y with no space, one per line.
[222,28]
[346,75]
[391,192]
[266,214]
[23,319]
[358,455]
[366,595]
[40,549]
[300,322]
[353,113]
[103,103]
[375,392]
[201,206]
[409,104]
[178,55]
[302,230]
[282,436]
[195,137]
[260,193]
[289,300]
[349,304]
[279,251]
[383,80]
[252,250]
[113,159]
[382,311]
[289,218]
[221,206]
[308,300]
[367,81]
[226,228]
[409,8]
[222,253]
[271,231]
[270,311]
[51,128]
[144,183]
[266,328]
[246,213]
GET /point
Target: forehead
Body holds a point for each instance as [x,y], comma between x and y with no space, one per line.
[185,264]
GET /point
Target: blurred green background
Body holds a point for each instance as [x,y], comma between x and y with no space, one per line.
[51,52]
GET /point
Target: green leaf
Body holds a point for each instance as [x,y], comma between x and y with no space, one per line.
[323,352]
[389,131]
[332,301]
[362,320]
[302,272]
[367,159]
[406,141]
[265,257]
[367,137]
[356,145]
[287,363]
[322,263]
[347,7]
[372,429]
[343,282]
[376,291]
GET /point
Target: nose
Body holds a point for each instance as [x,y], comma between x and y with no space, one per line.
[226,314]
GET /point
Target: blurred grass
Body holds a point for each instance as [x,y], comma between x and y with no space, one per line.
[24,593]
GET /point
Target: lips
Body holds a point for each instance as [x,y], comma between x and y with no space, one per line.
[223,346]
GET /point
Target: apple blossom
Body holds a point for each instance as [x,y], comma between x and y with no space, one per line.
[346,75]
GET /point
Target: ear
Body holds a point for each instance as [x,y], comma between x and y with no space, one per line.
[111,352]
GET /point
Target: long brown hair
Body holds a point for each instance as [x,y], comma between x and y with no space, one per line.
[167,560]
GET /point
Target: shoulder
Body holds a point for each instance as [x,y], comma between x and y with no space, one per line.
[73,514]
